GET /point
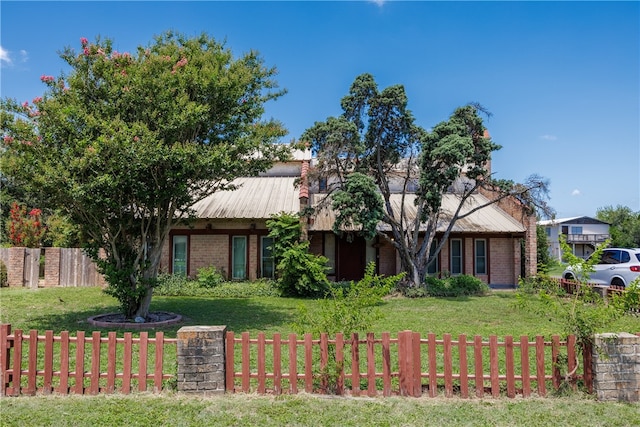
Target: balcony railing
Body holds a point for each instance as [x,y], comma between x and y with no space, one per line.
[587,238]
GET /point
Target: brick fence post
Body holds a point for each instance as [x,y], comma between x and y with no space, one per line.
[15,267]
[201,364]
[52,258]
[616,367]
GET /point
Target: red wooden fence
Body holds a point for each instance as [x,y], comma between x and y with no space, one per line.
[80,364]
[407,365]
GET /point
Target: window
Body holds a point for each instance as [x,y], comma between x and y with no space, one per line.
[481,256]
[268,267]
[548,231]
[239,257]
[456,256]
[322,184]
[179,265]
[434,267]
[576,230]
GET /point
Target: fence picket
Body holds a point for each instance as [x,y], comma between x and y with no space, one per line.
[277,364]
[340,363]
[94,384]
[371,366]
[479,370]
[308,363]
[386,364]
[127,362]
[111,362]
[261,363]
[510,366]
[32,370]
[355,365]
[79,369]
[540,377]
[17,363]
[524,366]
[464,375]
[433,367]
[142,363]
[448,366]
[571,360]
[324,358]
[246,367]
[5,357]
[555,347]
[47,387]
[63,387]
[293,363]
[493,366]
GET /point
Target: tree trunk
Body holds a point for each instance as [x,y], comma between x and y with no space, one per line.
[145,303]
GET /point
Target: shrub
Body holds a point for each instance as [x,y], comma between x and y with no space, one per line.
[209,277]
[178,285]
[302,274]
[454,286]
[3,274]
[540,282]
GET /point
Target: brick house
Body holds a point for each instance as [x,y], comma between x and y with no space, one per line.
[230,233]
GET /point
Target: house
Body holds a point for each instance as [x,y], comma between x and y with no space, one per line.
[230,233]
[582,233]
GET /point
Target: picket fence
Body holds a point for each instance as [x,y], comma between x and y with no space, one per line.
[59,363]
[395,366]
[407,365]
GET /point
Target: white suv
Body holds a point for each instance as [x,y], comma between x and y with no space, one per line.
[617,266]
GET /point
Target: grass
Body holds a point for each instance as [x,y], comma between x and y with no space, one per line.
[61,309]
[306,410]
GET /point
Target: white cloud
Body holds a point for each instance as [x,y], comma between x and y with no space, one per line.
[24,56]
[380,3]
[549,137]
[4,56]
[576,192]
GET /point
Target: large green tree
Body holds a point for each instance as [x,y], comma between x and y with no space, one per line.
[375,143]
[126,143]
[624,225]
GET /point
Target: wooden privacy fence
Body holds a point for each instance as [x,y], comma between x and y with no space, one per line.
[33,267]
[407,365]
[32,363]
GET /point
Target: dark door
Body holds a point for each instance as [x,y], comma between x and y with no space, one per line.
[351,258]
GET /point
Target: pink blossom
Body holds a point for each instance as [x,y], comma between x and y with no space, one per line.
[123,72]
[136,139]
[25,104]
[35,212]
[100,52]
[83,41]
[8,139]
[37,99]
[86,51]
[46,79]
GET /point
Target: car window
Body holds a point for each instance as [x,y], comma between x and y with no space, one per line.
[638,256]
[624,256]
[610,257]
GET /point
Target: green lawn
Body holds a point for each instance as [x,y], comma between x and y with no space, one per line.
[60,309]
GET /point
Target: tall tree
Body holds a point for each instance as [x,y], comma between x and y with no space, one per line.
[126,143]
[411,168]
[624,225]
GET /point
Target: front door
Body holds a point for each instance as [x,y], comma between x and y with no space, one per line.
[351,258]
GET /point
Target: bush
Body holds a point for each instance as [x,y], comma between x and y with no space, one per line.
[3,274]
[540,282]
[178,285]
[302,274]
[454,286]
[209,277]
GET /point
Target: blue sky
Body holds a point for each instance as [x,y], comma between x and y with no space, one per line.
[562,79]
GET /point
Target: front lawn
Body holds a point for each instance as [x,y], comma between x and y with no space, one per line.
[60,309]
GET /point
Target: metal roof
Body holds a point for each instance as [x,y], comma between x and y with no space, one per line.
[256,198]
[490,219]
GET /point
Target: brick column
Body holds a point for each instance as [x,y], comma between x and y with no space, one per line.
[201,361]
[15,267]
[52,266]
[616,367]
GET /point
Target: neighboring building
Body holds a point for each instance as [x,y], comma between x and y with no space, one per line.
[582,233]
[230,233]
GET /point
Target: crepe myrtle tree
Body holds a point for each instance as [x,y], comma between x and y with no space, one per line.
[375,150]
[126,143]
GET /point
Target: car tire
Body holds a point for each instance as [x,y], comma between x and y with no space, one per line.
[617,282]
